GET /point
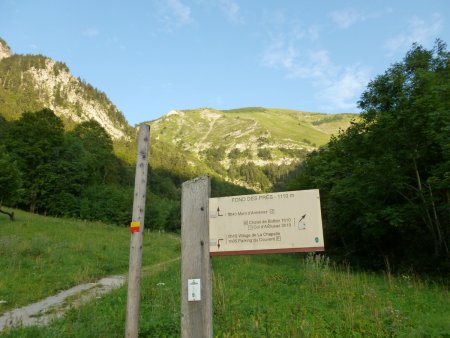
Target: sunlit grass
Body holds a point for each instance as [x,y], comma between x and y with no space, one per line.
[273,296]
[284,296]
[42,255]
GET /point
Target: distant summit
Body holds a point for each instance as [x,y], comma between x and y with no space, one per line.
[5,50]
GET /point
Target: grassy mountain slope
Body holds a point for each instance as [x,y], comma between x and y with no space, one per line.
[251,147]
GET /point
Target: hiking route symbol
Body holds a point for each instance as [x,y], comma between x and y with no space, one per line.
[218,212]
[301,224]
[194,290]
[218,242]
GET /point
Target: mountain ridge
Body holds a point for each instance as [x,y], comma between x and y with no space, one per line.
[250,147]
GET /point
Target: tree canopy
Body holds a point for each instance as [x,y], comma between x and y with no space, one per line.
[385,182]
[45,169]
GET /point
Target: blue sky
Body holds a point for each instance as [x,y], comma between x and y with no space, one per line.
[153,56]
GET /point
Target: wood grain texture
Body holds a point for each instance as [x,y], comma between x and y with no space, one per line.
[134,274]
[196,316]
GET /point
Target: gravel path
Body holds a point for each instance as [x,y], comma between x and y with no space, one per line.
[44,311]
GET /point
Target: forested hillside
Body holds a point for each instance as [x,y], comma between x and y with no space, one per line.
[48,170]
[385,181]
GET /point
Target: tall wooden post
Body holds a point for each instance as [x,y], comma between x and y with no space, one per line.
[137,228]
[196,306]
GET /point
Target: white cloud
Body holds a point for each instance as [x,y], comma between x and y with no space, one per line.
[340,93]
[347,17]
[316,64]
[296,51]
[276,17]
[419,31]
[231,10]
[280,54]
[338,88]
[90,32]
[174,14]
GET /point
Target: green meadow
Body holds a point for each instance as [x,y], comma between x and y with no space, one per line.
[40,256]
[284,295]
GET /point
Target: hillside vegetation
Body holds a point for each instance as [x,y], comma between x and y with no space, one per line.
[65,149]
[250,147]
[383,175]
[385,181]
[29,83]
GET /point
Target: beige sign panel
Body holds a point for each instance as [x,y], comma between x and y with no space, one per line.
[265,223]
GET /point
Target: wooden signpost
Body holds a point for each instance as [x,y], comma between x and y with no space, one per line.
[249,224]
[196,289]
[137,228]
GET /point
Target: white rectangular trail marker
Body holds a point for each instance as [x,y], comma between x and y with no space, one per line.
[194,290]
[266,223]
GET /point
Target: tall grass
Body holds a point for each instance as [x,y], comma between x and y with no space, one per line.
[42,255]
[285,296]
[273,296]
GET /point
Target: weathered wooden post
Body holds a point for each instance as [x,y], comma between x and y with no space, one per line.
[137,228]
[196,289]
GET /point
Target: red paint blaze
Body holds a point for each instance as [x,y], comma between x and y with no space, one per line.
[135,226]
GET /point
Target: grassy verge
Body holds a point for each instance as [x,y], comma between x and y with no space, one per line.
[105,317]
[272,296]
[42,255]
[282,296]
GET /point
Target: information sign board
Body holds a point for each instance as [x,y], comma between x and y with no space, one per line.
[266,223]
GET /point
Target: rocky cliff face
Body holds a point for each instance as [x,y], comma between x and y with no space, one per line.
[51,85]
[73,100]
[5,51]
